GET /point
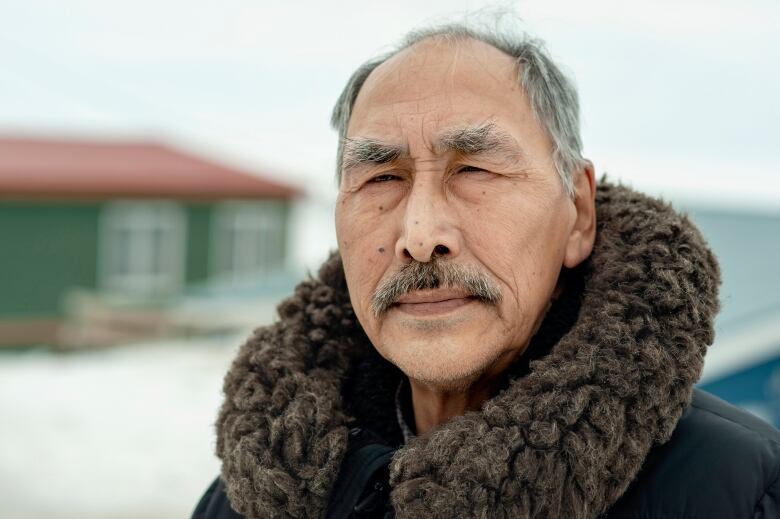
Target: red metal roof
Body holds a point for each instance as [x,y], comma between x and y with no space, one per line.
[49,168]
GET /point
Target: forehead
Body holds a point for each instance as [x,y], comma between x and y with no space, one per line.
[435,84]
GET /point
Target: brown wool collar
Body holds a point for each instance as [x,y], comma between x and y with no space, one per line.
[564,439]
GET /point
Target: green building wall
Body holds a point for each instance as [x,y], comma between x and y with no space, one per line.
[49,247]
[197,250]
[45,249]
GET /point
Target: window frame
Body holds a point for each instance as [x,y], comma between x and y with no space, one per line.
[141,220]
[259,216]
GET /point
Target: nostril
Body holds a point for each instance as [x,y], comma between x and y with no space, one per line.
[407,254]
[441,250]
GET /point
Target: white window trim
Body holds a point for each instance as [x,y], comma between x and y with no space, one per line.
[142,216]
[249,216]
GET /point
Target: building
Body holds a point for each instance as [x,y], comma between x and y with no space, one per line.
[137,220]
[743,365]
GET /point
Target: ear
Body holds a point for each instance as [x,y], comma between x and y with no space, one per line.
[583,234]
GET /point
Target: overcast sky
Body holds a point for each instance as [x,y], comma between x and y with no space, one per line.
[678,97]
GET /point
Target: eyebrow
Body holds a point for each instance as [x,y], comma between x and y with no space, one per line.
[474,140]
[468,140]
[360,151]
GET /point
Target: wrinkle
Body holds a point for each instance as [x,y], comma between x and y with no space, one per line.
[543,420]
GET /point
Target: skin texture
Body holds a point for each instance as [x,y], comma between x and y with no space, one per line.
[564,440]
[503,213]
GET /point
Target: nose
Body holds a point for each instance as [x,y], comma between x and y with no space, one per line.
[429,226]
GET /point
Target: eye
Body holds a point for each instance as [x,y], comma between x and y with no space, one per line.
[383,178]
[470,169]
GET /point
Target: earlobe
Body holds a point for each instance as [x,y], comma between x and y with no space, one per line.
[583,233]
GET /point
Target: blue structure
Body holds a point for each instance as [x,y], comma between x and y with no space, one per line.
[743,366]
[756,388]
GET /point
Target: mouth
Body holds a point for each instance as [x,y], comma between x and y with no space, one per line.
[428,303]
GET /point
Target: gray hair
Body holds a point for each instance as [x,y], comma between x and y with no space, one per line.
[436,273]
[553,96]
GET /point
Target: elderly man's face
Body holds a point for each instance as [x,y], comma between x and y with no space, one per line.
[446,163]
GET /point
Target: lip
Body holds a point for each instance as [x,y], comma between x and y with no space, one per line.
[432,302]
[432,296]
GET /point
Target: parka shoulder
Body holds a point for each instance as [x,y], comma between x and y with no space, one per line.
[214,504]
[721,462]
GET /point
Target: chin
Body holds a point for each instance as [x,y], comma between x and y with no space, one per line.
[448,361]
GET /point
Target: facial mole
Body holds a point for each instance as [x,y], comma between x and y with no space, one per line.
[416,222]
[381,250]
[483,192]
[381,208]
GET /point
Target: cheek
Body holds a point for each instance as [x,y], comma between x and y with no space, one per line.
[365,210]
[518,242]
[498,231]
[366,247]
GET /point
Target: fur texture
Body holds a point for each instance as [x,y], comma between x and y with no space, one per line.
[612,371]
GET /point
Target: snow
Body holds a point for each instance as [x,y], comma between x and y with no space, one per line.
[117,433]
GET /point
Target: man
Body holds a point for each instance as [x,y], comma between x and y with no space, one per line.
[498,336]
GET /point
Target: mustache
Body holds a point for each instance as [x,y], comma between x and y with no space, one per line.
[436,273]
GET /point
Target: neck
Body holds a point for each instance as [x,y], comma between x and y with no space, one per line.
[434,406]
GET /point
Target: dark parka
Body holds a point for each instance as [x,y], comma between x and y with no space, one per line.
[598,419]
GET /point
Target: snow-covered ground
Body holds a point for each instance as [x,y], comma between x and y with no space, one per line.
[119,433]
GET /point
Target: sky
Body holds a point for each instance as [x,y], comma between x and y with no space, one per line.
[679,98]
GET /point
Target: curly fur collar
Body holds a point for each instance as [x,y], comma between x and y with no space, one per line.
[613,370]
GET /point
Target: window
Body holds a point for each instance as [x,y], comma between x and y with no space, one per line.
[248,239]
[142,248]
